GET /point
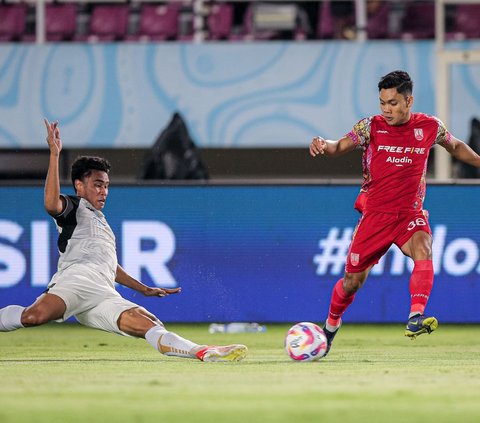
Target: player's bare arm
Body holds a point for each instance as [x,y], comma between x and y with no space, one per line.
[52,200]
[336,148]
[461,151]
[123,278]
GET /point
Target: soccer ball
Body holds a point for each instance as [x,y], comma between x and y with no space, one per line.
[305,341]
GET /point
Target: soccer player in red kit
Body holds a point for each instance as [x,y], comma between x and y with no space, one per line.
[396,145]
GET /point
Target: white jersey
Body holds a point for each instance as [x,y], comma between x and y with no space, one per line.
[86,238]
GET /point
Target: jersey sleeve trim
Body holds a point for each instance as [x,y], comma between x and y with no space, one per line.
[442,133]
[71,205]
[360,133]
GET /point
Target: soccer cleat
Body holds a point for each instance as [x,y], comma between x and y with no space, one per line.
[214,353]
[419,324]
[330,336]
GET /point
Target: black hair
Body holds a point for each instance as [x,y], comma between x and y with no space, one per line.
[397,79]
[83,166]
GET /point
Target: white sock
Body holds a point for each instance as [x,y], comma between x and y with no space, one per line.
[331,328]
[10,318]
[170,343]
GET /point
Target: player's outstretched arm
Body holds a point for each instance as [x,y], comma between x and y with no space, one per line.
[52,200]
[322,146]
[461,151]
[123,278]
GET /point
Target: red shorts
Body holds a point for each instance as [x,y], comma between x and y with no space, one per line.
[377,231]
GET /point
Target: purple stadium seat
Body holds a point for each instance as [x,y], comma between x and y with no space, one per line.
[220,21]
[325,26]
[331,26]
[467,22]
[12,21]
[418,21]
[158,22]
[108,22]
[336,20]
[378,21]
[61,22]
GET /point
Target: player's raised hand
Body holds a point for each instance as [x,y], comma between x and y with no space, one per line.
[161,292]
[53,137]
[317,146]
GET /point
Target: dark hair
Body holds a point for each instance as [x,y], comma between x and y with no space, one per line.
[397,79]
[83,166]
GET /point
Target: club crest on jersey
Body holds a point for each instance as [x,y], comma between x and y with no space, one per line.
[418,134]
[354,259]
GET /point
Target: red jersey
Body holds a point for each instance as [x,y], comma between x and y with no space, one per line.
[395,160]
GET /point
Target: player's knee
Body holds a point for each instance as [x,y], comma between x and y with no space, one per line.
[151,316]
[422,251]
[421,246]
[137,322]
[351,283]
[34,317]
[425,252]
[129,313]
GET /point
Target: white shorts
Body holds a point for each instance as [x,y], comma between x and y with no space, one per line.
[90,298]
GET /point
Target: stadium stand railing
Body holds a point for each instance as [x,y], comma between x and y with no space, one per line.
[239,20]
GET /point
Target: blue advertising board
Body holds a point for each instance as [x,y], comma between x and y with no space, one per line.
[267,253]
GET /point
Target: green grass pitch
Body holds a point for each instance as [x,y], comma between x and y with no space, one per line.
[67,373]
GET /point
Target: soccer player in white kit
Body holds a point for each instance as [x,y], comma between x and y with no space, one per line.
[83,286]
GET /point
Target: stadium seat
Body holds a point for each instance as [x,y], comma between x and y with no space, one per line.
[325,21]
[157,22]
[418,22]
[336,20]
[378,20]
[12,21]
[108,22]
[340,22]
[466,22]
[220,21]
[61,22]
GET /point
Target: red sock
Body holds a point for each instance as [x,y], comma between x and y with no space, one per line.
[421,283]
[339,303]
